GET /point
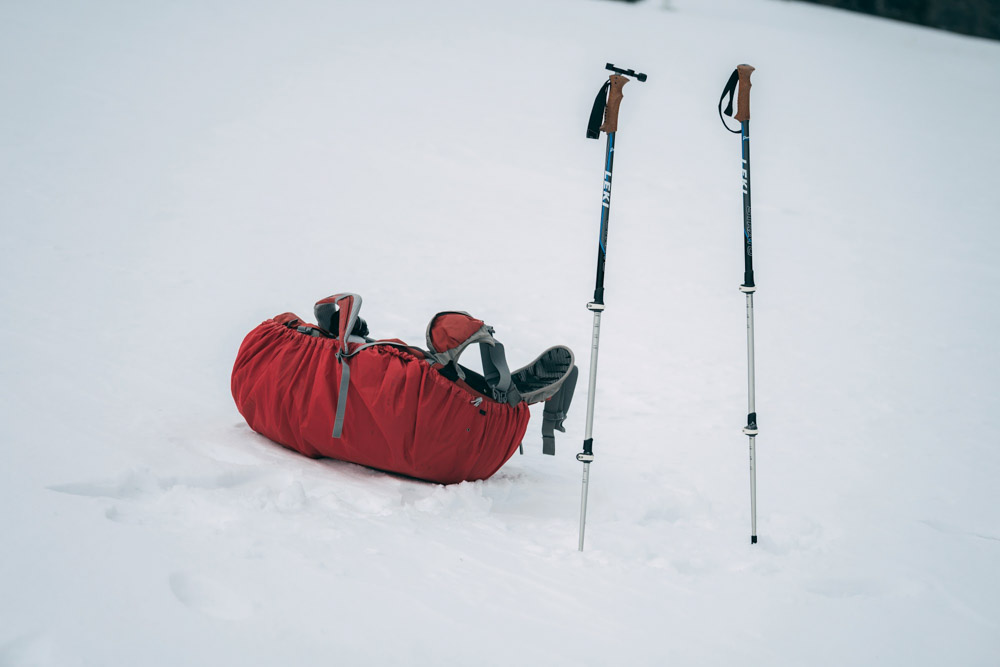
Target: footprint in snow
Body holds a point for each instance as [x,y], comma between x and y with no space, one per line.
[133,484]
[845,587]
[142,482]
[209,596]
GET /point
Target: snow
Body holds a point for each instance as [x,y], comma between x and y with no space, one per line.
[172,175]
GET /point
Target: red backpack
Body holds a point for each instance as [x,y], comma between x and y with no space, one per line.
[393,406]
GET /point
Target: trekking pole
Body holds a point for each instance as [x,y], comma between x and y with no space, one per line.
[605,106]
[741,76]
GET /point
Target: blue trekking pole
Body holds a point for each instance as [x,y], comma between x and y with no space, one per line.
[741,77]
[605,106]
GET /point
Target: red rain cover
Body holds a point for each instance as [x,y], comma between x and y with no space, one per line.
[402,415]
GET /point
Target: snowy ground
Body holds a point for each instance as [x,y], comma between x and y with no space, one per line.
[174,173]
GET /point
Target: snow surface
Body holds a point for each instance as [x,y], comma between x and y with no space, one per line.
[174,173]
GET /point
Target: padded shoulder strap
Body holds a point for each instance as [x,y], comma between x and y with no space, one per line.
[551,377]
[450,332]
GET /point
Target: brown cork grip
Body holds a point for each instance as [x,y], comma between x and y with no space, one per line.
[614,101]
[743,95]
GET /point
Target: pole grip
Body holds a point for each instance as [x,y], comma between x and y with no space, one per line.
[614,101]
[743,93]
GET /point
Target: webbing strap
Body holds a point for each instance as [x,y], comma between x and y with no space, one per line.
[345,381]
[729,90]
[345,325]
[548,437]
[597,111]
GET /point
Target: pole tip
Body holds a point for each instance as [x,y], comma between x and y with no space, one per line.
[753,539]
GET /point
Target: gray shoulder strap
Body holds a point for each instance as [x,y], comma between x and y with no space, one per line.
[345,382]
[343,355]
[497,372]
[555,412]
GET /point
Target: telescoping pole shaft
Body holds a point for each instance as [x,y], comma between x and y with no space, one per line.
[751,428]
[748,287]
[597,306]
